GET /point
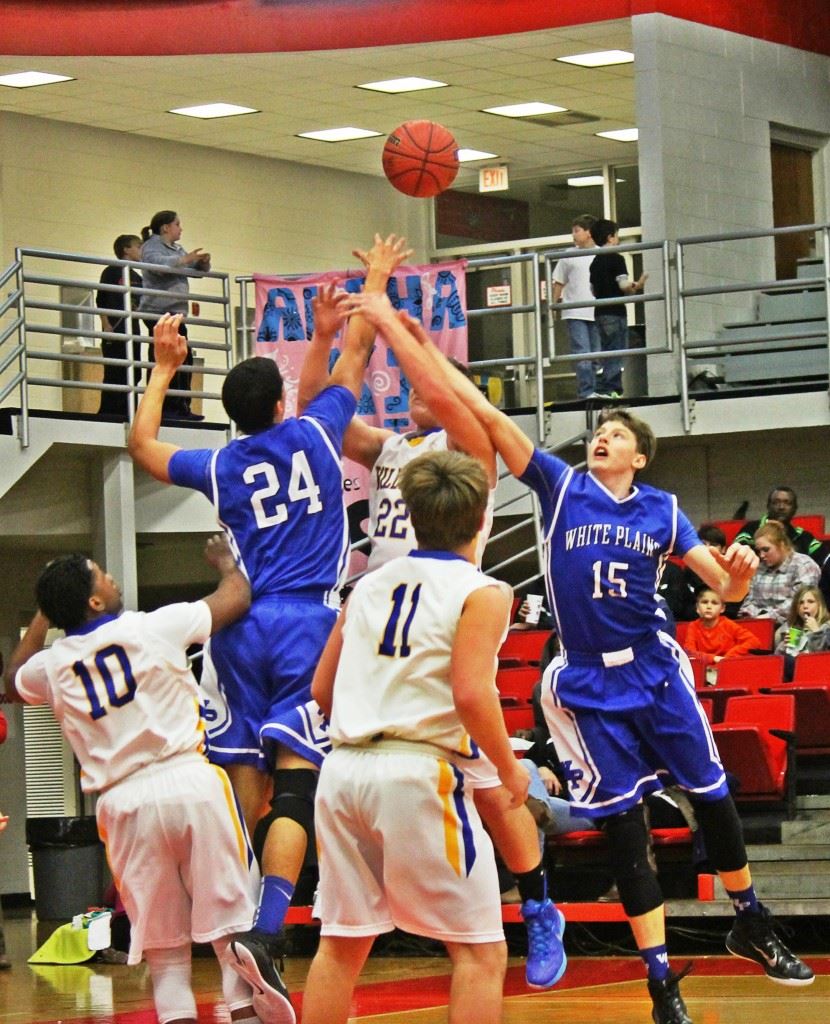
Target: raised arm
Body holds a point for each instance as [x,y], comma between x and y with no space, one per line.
[143,444]
[30,643]
[328,319]
[232,596]
[503,435]
[385,256]
[430,374]
[351,365]
[728,574]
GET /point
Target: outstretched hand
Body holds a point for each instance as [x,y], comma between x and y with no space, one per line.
[169,346]
[373,306]
[329,309]
[739,560]
[386,254]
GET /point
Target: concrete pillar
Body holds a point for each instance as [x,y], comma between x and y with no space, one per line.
[113,523]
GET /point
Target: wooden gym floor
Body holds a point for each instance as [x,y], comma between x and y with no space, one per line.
[599,990]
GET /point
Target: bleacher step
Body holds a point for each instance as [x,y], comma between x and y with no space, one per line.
[803,884]
[780,852]
[812,802]
[720,907]
[812,832]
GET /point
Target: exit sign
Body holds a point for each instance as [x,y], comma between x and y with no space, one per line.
[492,179]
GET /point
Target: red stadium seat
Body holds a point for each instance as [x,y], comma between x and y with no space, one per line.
[812,715]
[730,527]
[699,671]
[517,717]
[812,524]
[708,705]
[756,744]
[719,697]
[523,646]
[764,630]
[812,668]
[752,671]
[517,683]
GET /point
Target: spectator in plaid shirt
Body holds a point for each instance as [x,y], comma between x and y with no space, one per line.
[781,573]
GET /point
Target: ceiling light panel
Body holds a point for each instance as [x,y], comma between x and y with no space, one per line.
[338,134]
[398,85]
[598,59]
[620,134]
[524,109]
[28,79]
[208,111]
[466,156]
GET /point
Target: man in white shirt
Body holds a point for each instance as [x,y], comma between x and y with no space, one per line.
[572,283]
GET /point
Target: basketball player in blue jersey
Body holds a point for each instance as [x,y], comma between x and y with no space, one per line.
[277,489]
[386,454]
[620,701]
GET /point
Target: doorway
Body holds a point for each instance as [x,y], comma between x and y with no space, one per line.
[792,203]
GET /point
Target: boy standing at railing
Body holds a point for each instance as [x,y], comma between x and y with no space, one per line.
[610,280]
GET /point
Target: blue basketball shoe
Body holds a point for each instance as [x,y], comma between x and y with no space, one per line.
[546,959]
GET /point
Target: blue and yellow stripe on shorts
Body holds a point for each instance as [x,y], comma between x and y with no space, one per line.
[458,833]
[243,845]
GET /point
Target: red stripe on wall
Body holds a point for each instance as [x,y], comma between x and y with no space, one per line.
[154,28]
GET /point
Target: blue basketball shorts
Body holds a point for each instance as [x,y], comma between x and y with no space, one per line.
[256,683]
[649,731]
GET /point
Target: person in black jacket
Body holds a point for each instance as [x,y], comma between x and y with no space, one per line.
[114,403]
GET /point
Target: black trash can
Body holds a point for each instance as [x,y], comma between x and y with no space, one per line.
[68,866]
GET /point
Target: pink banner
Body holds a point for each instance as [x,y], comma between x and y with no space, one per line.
[435,294]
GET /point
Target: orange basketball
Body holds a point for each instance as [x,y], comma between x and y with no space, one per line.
[420,158]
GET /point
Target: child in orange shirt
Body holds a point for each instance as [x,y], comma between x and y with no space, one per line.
[712,637]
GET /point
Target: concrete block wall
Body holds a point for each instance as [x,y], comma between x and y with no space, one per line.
[707,102]
[74,188]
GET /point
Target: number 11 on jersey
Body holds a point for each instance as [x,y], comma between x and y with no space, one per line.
[398,598]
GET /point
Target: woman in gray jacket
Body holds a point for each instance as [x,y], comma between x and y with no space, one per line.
[161,246]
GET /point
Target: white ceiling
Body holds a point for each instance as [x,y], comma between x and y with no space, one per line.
[298,92]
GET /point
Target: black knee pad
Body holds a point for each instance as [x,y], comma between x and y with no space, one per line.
[294,790]
[628,847]
[723,833]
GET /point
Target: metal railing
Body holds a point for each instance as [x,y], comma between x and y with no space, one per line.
[663,296]
[718,347]
[13,344]
[55,299]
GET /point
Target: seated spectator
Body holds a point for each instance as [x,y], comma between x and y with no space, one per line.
[712,637]
[807,627]
[782,505]
[674,590]
[781,573]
